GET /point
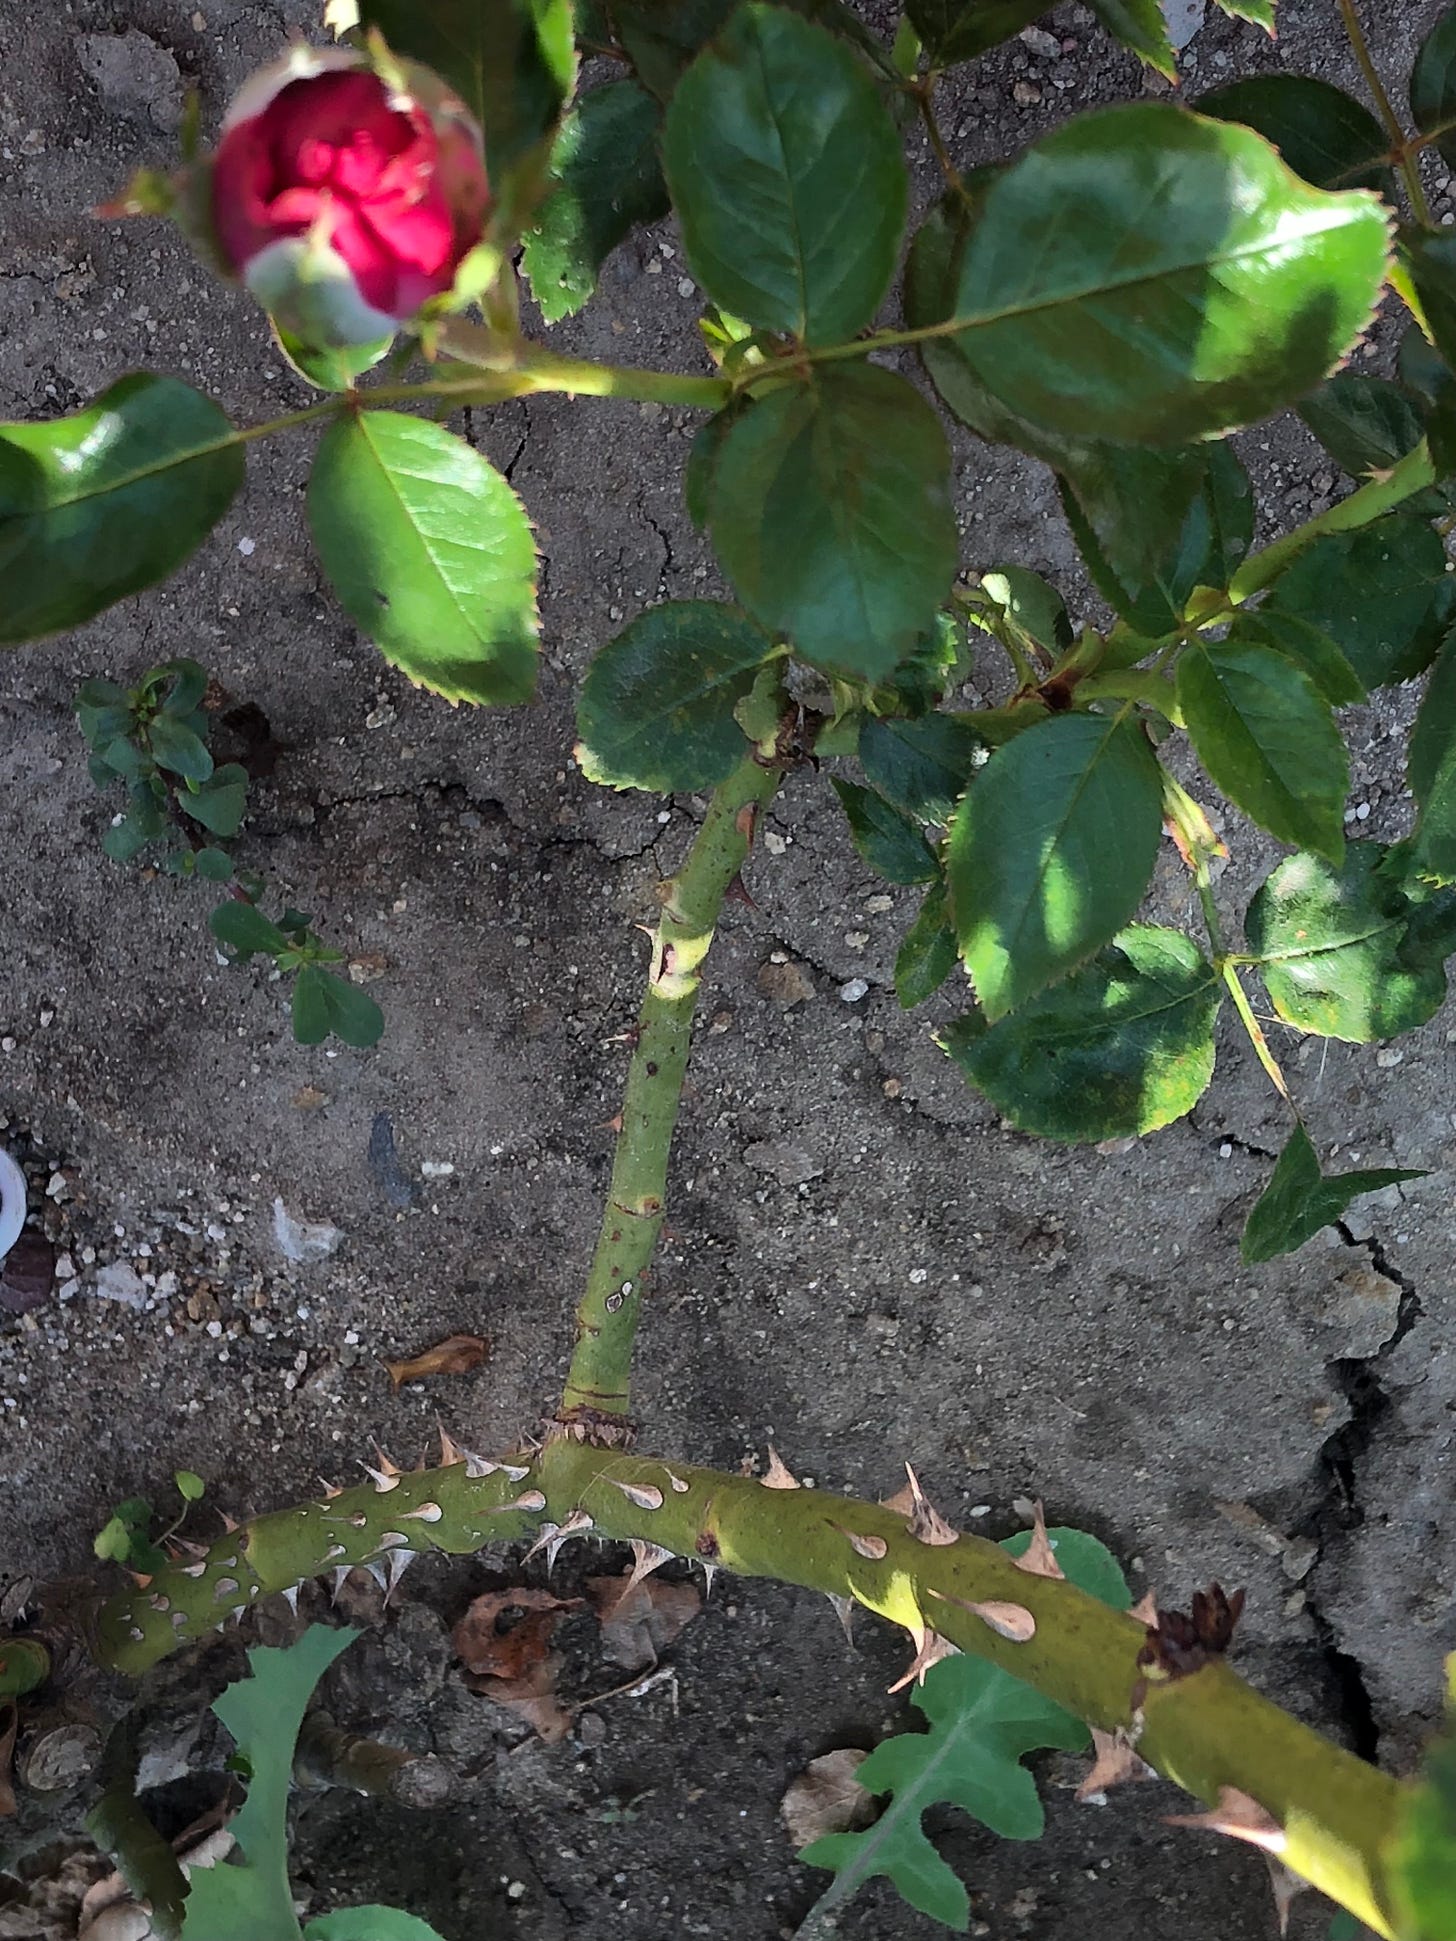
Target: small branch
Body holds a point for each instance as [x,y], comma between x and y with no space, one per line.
[1409,167]
[606,1318]
[1372,501]
[522,368]
[1255,1030]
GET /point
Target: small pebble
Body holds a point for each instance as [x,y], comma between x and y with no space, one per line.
[854,990]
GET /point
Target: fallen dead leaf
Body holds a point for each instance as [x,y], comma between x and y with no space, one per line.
[531,1699]
[640,1620]
[457,1354]
[827,1798]
[491,1646]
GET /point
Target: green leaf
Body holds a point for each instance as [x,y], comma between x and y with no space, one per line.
[831,515]
[1050,853]
[1184,281]
[1431,767]
[175,747]
[246,1901]
[221,800]
[324,1003]
[126,839]
[214,865]
[1303,643]
[109,500]
[1265,734]
[1030,611]
[337,368]
[1430,258]
[892,846]
[245,930]
[661,37]
[787,177]
[1260,12]
[701,466]
[959,30]
[606,178]
[1423,1856]
[1122,1046]
[430,552]
[983,1722]
[181,684]
[112,1542]
[920,764]
[370,1924]
[927,953]
[1345,952]
[1433,85]
[190,1485]
[1324,134]
[656,708]
[1141,26]
[1428,377]
[1299,1200]
[1364,423]
[1382,594]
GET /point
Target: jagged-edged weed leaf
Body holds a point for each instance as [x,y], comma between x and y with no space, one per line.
[891,844]
[1027,610]
[1122,1046]
[243,1901]
[1345,952]
[657,707]
[1382,594]
[370,1924]
[1324,134]
[1265,734]
[787,177]
[108,500]
[1141,26]
[927,953]
[982,1722]
[920,763]
[245,930]
[1184,280]
[959,30]
[1299,1199]
[1431,767]
[1364,423]
[831,514]
[1423,1856]
[219,802]
[430,553]
[1433,85]
[324,1002]
[1301,642]
[606,178]
[1050,852]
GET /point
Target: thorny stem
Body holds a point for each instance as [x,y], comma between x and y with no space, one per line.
[1371,501]
[1409,167]
[606,1319]
[1206,1730]
[524,367]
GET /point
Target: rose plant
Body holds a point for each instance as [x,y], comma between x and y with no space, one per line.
[1114,302]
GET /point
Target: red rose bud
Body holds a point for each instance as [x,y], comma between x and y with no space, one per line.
[343,203]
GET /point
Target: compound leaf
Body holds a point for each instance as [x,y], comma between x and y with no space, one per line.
[245,1901]
[430,553]
[1364,423]
[1300,641]
[1324,134]
[892,846]
[656,708]
[1299,1199]
[1122,1046]
[921,764]
[959,30]
[1382,594]
[1344,952]
[927,953]
[1433,85]
[1050,853]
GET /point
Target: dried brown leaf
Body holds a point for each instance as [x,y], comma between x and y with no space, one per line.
[827,1798]
[1239,1816]
[457,1354]
[640,1619]
[507,1634]
[1039,1558]
[532,1699]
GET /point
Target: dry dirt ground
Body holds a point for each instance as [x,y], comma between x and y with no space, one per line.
[866,1267]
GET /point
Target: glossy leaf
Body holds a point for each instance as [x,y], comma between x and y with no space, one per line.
[920,764]
[1364,423]
[430,553]
[1422,1858]
[1431,766]
[1382,594]
[1266,736]
[1050,853]
[656,708]
[1303,643]
[324,1003]
[1122,1046]
[1428,377]
[245,930]
[1260,12]
[1344,952]
[892,846]
[606,177]
[661,37]
[1324,134]
[1299,1199]
[1184,281]
[219,803]
[831,515]
[111,499]
[959,30]
[1430,258]
[247,1899]
[336,368]
[1433,85]
[927,953]
[1141,26]
[1027,609]
[787,177]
